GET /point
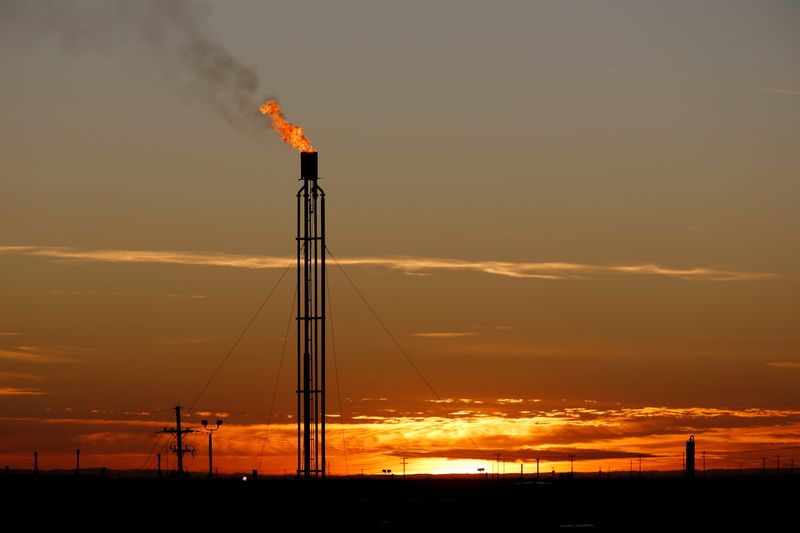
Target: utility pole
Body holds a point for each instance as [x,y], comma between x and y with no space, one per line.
[537,468]
[405,462]
[78,462]
[159,465]
[763,466]
[178,432]
[778,465]
[210,445]
[571,469]
[35,462]
[640,465]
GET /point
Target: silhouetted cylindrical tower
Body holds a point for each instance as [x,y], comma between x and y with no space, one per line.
[690,457]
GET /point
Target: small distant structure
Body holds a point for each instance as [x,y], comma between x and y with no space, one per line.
[689,473]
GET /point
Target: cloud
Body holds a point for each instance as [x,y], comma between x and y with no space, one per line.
[35,354]
[22,376]
[780,91]
[21,391]
[193,340]
[785,364]
[545,454]
[670,77]
[10,333]
[407,264]
[73,292]
[443,334]
[461,441]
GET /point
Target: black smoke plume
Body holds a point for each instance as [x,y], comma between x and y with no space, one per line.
[173,35]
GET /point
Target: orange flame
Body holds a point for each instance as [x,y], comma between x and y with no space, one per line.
[289,133]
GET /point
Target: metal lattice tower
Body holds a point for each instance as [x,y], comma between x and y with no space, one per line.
[310,321]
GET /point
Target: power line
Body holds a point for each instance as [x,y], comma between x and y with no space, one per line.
[71,424]
[155,444]
[385,328]
[336,372]
[440,402]
[277,380]
[240,337]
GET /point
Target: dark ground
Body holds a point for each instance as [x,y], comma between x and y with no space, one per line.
[713,503]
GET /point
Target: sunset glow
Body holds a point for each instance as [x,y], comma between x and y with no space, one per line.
[552,231]
[606,439]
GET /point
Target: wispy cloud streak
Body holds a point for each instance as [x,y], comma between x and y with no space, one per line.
[689,79]
[407,264]
[21,391]
[790,365]
[34,354]
[443,334]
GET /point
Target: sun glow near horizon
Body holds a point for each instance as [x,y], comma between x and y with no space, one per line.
[597,439]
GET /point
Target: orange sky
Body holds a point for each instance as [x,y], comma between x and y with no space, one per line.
[580,224]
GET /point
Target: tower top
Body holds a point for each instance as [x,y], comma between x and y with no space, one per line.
[308,166]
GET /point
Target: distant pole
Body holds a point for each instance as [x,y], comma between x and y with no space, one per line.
[77,461]
[405,462]
[640,465]
[159,465]
[537,468]
[778,465]
[35,462]
[571,460]
[763,466]
[704,463]
[521,471]
[630,472]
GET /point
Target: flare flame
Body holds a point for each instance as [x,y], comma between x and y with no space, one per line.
[290,133]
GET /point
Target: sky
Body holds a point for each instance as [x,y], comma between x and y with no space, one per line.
[577,219]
